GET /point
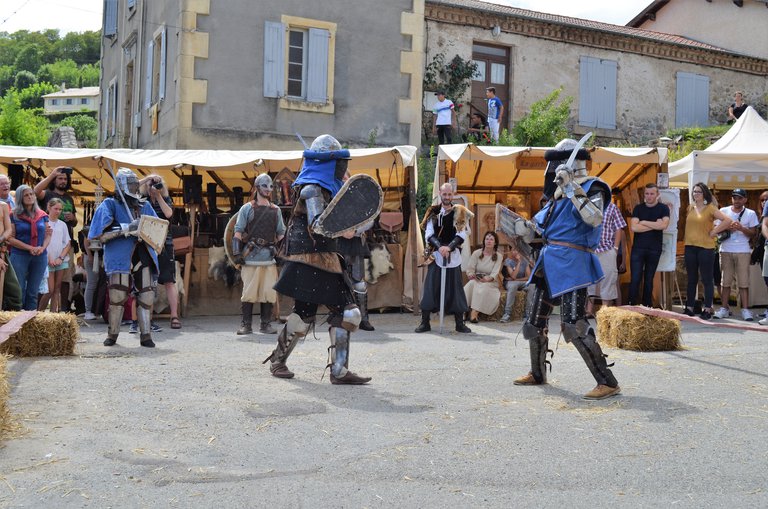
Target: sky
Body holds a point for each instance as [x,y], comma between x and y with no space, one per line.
[82,15]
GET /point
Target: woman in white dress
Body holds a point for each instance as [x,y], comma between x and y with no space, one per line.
[482,290]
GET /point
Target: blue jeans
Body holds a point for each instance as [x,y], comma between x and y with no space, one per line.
[29,271]
[700,260]
[642,265]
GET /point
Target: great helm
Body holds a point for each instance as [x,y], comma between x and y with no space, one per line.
[128,183]
[325,143]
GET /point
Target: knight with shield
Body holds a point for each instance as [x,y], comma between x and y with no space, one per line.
[130,233]
[314,272]
[569,225]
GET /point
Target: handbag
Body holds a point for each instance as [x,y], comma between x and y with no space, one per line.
[726,234]
[182,245]
[391,221]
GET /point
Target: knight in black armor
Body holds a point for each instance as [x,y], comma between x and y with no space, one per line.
[570,228]
[446,227]
[313,272]
[258,228]
[115,225]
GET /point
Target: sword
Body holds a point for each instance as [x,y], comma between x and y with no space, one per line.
[306,147]
[580,144]
[442,293]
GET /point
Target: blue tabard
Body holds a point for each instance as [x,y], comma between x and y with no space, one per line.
[118,252]
[566,268]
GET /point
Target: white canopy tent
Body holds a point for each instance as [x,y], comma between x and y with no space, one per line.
[393,167]
[738,159]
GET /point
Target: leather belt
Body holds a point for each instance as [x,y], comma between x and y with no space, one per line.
[572,246]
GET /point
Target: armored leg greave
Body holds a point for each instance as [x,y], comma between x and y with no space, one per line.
[362,302]
[595,359]
[118,295]
[294,329]
[339,351]
[145,298]
[534,330]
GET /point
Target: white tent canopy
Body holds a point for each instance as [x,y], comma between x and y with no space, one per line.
[738,159]
[228,168]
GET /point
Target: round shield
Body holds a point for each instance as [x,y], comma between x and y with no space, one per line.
[229,233]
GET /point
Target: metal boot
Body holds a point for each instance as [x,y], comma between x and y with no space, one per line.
[246,322]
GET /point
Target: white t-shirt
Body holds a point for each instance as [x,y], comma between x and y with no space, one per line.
[59,239]
[443,109]
[738,242]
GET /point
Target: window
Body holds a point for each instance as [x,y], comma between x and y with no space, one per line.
[110,110]
[69,102]
[692,100]
[110,18]
[498,73]
[156,66]
[54,102]
[597,92]
[299,62]
[84,100]
[480,73]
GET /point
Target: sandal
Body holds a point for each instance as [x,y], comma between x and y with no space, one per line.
[175,323]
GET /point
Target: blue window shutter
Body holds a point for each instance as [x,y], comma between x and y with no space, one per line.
[131,3]
[692,100]
[106,113]
[587,99]
[606,114]
[114,110]
[274,59]
[701,100]
[110,18]
[163,53]
[317,66]
[148,77]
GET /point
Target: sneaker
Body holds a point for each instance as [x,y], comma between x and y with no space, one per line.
[505,318]
[688,312]
[89,316]
[747,316]
[764,321]
[134,328]
[156,328]
[705,315]
[722,313]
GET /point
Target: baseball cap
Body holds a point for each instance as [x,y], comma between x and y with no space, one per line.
[440,92]
[739,192]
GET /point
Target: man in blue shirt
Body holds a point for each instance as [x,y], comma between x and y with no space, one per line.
[495,112]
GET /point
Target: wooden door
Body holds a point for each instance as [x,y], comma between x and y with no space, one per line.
[493,71]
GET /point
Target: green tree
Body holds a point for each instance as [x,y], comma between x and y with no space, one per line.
[24,79]
[89,75]
[7,77]
[61,71]
[545,124]
[32,96]
[19,126]
[82,48]
[86,128]
[28,59]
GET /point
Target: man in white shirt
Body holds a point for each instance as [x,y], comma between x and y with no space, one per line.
[5,191]
[444,118]
[735,254]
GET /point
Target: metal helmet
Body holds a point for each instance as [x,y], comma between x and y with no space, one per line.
[325,143]
[128,183]
[263,180]
[564,149]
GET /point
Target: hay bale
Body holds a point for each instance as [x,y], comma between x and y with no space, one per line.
[47,334]
[629,330]
[518,308]
[5,391]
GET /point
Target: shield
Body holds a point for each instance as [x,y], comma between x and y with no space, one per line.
[514,227]
[358,202]
[229,233]
[153,231]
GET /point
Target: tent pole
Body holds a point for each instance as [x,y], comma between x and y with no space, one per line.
[189,256]
[413,227]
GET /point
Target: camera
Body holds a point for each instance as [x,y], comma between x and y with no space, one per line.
[158,185]
[66,171]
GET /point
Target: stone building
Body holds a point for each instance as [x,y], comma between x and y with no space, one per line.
[242,75]
[628,84]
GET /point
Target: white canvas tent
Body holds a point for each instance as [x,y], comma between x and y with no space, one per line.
[394,168]
[738,159]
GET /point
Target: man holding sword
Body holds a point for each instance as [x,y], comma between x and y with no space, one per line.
[446,228]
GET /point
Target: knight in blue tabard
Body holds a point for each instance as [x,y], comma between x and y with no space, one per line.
[115,224]
[313,272]
[569,225]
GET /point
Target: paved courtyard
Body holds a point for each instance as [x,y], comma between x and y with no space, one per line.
[199,422]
